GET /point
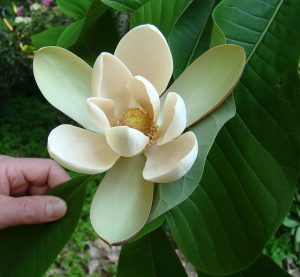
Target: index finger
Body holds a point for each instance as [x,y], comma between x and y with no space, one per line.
[34,171]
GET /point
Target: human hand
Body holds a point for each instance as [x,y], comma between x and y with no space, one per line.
[23,181]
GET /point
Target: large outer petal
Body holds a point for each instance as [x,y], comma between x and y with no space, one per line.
[80,150]
[171,161]
[64,79]
[109,80]
[122,203]
[145,51]
[125,141]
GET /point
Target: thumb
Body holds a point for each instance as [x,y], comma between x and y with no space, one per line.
[30,210]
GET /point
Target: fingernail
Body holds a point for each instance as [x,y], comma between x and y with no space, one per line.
[56,208]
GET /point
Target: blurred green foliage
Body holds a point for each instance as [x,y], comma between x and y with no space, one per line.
[19,20]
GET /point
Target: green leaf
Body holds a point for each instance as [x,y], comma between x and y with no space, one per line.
[251,172]
[190,36]
[151,255]
[70,34]
[270,84]
[74,8]
[161,13]
[263,267]
[125,5]
[80,36]
[87,47]
[242,198]
[48,37]
[30,250]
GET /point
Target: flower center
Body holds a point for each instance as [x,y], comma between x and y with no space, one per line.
[136,118]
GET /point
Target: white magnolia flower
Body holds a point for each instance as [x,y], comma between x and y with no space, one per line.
[126,130]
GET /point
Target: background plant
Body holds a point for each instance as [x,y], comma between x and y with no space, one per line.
[21,19]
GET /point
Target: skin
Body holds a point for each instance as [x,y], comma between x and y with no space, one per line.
[23,181]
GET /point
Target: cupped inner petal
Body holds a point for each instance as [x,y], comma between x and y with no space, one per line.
[171,161]
[80,150]
[174,119]
[109,80]
[64,80]
[209,80]
[145,51]
[102,111]
[145,95]
[122,203]
[125,141]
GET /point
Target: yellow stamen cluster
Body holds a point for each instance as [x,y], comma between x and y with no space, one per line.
[136,118]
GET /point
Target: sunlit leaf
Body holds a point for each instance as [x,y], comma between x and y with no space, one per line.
[74,8]
[161,13]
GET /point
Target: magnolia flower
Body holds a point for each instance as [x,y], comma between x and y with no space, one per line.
[128,131]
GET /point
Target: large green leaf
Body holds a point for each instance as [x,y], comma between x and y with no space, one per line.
[151,255]
[74,8]
[161,13]
[253,167]
[263,267]
[87,47]
[190,36]
[30,250]
[48,37]
[268,30]
[125,5]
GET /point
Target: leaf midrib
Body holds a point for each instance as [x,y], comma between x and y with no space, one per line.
[265,31]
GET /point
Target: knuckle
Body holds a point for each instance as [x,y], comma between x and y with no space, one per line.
[29,211]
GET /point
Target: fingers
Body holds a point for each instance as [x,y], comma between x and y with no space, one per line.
[30,210]
[17,174]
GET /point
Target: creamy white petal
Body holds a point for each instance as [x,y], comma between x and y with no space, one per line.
[171,161]
[145,94]
[174,119]
[145,51]
[80,150]
[125,141]
[122,203]
[109,80]
[64,79]
[102,111]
